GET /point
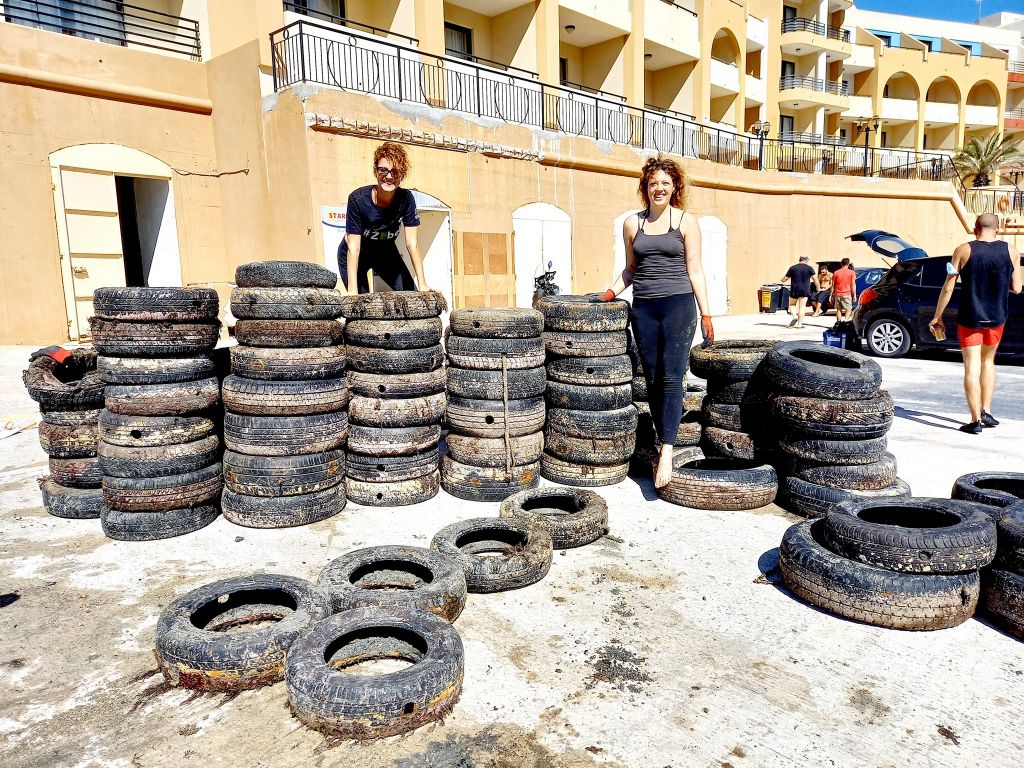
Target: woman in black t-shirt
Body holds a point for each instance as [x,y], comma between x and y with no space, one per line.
[374,216]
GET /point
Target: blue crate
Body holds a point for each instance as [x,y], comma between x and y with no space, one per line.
[830,339]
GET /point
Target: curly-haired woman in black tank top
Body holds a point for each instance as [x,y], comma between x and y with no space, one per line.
[664,267]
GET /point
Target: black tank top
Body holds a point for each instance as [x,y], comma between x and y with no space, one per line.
[985,285]
[660,262]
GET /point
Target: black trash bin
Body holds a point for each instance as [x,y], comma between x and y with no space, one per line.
[773,297]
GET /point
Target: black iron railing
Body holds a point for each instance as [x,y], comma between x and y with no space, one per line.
[906,164]
[595,91]
[111,22]
[1015,114]
[799,24]
[490,63]
[786,82]
[346,22]
[1015,66]
[810,138]
[681,5]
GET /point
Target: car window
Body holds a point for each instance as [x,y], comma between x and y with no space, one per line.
[873,276]
[933,273]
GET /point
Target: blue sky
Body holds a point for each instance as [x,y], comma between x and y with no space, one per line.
[955,10]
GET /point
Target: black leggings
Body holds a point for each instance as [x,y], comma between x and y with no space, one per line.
[663,329]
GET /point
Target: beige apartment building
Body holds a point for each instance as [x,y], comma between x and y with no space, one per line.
[164,142]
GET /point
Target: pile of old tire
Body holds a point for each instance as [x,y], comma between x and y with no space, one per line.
[285,422]
[718,482]
[397,378]
[159,450]
[908,563]
[590,434]
[830,420]
[495,417]
[70,396]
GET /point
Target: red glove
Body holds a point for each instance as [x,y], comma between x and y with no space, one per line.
[57,353]
[608,295]
[707,330]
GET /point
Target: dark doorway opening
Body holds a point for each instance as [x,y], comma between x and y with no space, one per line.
[131,246]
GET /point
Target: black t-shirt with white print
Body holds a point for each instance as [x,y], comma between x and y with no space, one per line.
[378,226]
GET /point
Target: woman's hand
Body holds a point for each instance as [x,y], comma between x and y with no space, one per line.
[608,295]
[707,330]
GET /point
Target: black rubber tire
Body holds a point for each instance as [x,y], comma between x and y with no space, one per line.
[374,706]
[284,398]
[868,594]
[394,334]
[282,511]
[285,435]
[397,385]
[888,337]
[1003,599]
[160,494]
[179,398]
[290,333]
[834,451]
[726,392]
[724,416]
[498,323]
[396,578]
[77,473]
[288,364]
[572,517]
[479,384]
[285,303]
[150,431]
[866,477]
[594,424]
[150,526]
[715,483]
[581,475]
[284,274]
[68,386]
[1010,528]
[154,370]
[392,441]
[158,461]
[590,371]
[590,450]
[283,475]
[916,535]
[729,361]
[394,305]
[639,387]
[810,369]
[813,501]
[384,469]
[730,444]
[490,451]
[70,503]
[486,418]
[998,489]
[834,419]
[397,493]
[395,361]
[395,412]
[497,553]
[78,442]
[129,339]
[484,353]
[192,653]
[580,344]
[89,416]
[583,398]
[156,304]
[579,313]
[688,435]
[473,483]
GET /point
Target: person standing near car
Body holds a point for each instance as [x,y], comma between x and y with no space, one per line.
[989,269]
[663,264]
[843,291]
[822,290]
[801,274]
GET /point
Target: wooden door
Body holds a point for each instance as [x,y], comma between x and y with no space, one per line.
[484,271]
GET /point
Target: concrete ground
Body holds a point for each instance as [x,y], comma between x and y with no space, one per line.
[668,643]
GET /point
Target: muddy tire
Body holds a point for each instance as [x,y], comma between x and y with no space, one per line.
[285,303]
[329,700]
[77,473]
[151,431]
[395,361]
[154,370]
[584,398]
[398,493]
[151,526]
[723,416]
[254,397]
[1003,599]
[397,385]
[490,451]
[581,475]
[868,594]
[499,323]
[594,424]
[478,384]
[523,552]
[486,418]
[591,371]
[689,434]
[579,313]
[156,304]
[866,477]
[392,441]
[729,361]
[466,481]
[283,475]
[68,386]
[285,435]
[159,494]
[998,489]
[812,370]
[195,650]
[396,578]
[384,469]
[835,419]
[639,387]
[60,442]
[70,503]
[290,333]
[175,399]
[726,484]
[285,364]
[394,334]
[813,501]
[834,451]
[726,392]
[394,412]
[1010,526]
[282,511]
[573,518]
[158,461]
[483,353]
[729,444]
[590,450]
[580,344]
[129,339]
[394,305]
[72,418]
[284,274]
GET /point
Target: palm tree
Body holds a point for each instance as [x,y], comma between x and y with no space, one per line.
[981,157]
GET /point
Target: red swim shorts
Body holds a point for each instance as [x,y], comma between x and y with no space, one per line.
[972,337]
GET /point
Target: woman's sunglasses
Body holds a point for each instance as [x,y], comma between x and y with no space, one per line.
[383,173]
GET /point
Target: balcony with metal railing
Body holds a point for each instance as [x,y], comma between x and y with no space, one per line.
[344,21]
[789,82]
[798,24]
[801,36]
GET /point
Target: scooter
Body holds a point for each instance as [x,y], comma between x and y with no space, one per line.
[544,284]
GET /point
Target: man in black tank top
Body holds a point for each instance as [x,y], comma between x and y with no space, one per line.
[988,270]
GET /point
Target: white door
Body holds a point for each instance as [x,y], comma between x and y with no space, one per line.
[714,236]
[541,233]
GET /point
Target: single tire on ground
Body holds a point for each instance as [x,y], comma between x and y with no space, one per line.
[159,494]
[283,475]
[151,526]
[290,333]
[398,493]
[70,503]
[998,489]
[71,385]
[572,517]
[130,339]
[582,344]
[480,384]
[394,412]
[394,334]
[810,369]
[496,553]
[282,511]
[581,313]
[77,473]
[158,461]
[156,304]
[284,274]
[255,397]
[484,353]
[813,501]
[392,441]
[486,418]
[154,370]
[77,442]
[599,424]
[285,435]
[498,323]
[590,371]
[729,361]
[175,399]
[397,385]
[288,364]
[385,469]
[473,483]
[285,303]
[716,483]
[581,475]
[394,305]
[490,451]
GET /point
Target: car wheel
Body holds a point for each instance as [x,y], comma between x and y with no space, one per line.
[887,337]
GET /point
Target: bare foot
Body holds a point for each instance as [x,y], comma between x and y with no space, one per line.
[663,474]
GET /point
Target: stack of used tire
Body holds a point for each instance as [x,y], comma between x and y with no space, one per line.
[159,450]
[719,483]
[285,422]
[397,379]
[910,563]
[496,385]
[830,418]
[70,396]
[590,434]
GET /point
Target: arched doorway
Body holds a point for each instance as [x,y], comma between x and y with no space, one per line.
[541,233]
